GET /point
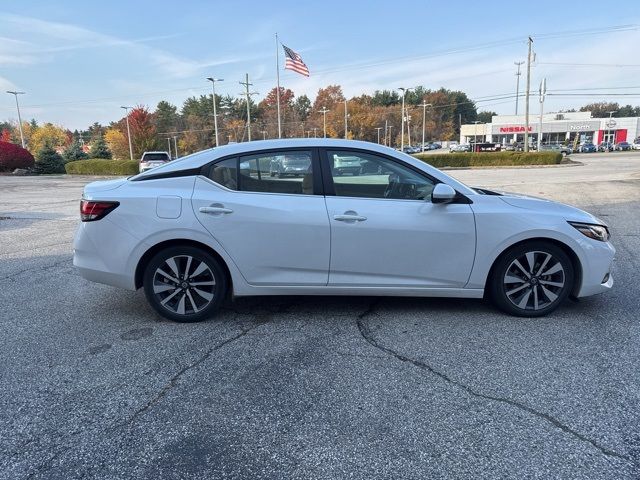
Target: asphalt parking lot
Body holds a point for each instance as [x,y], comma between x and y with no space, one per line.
[93,384]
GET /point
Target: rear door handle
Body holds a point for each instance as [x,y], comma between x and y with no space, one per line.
[349,218]
[215,210]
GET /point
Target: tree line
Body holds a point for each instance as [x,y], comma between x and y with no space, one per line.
[369,117]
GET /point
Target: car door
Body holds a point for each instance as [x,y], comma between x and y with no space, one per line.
[275,228]
[386,232]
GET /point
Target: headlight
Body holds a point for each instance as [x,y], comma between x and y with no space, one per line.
[597,232]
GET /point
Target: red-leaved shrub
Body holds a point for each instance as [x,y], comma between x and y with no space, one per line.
[12,156]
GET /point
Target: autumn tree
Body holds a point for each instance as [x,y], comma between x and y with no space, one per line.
[48,135]
[117,142]
[143,131]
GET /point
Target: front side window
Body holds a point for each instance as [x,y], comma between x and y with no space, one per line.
[277,172]
[357,174]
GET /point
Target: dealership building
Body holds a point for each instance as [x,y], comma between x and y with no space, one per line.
[555,127]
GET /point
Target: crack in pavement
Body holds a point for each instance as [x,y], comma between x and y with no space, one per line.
[366,334]
[42,268]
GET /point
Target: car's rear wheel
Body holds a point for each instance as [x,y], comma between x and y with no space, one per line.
[185,284]
[532,279]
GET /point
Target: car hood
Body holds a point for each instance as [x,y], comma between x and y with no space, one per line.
[548,206]
[104,185]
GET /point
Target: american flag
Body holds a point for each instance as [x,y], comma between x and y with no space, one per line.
[294,62]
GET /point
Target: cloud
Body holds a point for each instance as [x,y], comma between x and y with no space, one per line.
[71,37]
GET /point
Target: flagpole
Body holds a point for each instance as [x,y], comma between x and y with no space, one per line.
[278,88]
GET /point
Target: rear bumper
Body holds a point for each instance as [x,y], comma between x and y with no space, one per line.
[101,261]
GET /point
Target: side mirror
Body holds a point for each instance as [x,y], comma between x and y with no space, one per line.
[443,193]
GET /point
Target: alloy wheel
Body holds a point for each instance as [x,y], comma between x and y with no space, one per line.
[184,285]
[534,280]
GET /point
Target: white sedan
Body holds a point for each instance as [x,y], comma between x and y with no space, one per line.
[216,224]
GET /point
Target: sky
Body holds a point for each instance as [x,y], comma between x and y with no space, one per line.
[78,62]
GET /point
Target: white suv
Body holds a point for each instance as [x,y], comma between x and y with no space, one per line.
[151,160]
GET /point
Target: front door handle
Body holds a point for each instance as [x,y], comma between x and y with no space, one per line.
[215,210]
[349,217]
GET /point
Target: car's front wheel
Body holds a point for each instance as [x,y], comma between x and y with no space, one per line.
[185,284]
[532,279]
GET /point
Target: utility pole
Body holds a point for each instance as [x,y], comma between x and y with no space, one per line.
[518,83]
[346,116]
[126,109]
[386,128]
[213,81]
[169,142]
[315,132]
[15,94]
[248,94]
[378,130]
[424,106]
[408,128]
[543,92]
[302,129]
[324,120]
[526,102]
[175,146]
[390,136]
[264,134]
[404,91]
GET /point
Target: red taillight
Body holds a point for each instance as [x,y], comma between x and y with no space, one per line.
[90,210]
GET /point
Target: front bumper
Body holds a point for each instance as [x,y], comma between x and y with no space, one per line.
[597,269]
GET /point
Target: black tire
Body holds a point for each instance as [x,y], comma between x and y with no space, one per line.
[509,285]
[193,287]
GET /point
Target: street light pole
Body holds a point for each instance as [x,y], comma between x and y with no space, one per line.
[517,83]
[526,97]
[213,81]
[378,130]
[346,116]
[424,118]
[404,91]
[175,146]
[169,143]
[542,92]
[609,125]
[390,136]
[324,120]
[15,94]
[126,109]
[475,135]
[315,132]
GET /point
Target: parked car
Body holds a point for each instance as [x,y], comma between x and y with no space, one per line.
[348,164]
[463,147]
[283,165]
[622,146]
[587,148]
[213,225]
[563,149]
[636,144]
[604,146]
[151,160]
[435,146]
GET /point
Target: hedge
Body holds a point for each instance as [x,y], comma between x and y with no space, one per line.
[490,159]
[12,157]
[99,166]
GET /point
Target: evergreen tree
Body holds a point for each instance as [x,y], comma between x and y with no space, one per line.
[49,161]
[99,148]
[74,152]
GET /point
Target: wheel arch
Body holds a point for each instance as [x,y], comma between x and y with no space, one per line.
[575,261]
[148,255]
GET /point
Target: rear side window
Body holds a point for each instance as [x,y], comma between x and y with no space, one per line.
[289,172]
[225,173]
